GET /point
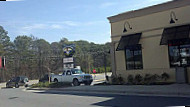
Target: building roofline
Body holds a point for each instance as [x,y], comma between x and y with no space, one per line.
[149,10]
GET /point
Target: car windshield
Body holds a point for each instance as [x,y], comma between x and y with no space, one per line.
[77,71]
[13,79]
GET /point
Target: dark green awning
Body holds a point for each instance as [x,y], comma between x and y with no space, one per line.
[175,33]
[128,41]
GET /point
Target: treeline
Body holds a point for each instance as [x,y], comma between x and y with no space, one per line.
[33,57]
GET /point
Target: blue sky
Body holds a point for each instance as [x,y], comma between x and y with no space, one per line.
[73,19]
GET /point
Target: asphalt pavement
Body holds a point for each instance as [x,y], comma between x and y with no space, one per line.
[98,96]
[13,97]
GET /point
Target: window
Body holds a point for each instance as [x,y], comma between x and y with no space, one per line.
[134,57]
[17,79]
[64,72]
[179,53]
[68,72]
[76,71]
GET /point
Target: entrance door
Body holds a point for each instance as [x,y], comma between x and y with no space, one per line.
[179,53]
[181,76]
[68,76]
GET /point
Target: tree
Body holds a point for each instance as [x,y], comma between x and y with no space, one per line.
[23,45]
[22,51]
[33,57]
[4,41]
[43,47]
[56,57]
[55,49]
[63,41]
[42,50]
[5,50]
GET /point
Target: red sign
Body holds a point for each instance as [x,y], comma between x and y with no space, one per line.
[94,70]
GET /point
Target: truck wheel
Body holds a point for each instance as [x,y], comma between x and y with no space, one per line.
[26,85]
[76,82]
[55,80]
[16,85]
[87,83]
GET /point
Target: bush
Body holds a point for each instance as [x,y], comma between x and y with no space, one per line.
[50,85]
[155,77]
[138,79]
[40,84]
[151,79]
[115,80]
[59,84]
[120,79]
[147,79]
[130,79]
[165,76]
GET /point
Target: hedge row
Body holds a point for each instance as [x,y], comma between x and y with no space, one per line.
[142,80]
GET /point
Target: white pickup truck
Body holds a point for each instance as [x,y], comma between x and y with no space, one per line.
[75,76]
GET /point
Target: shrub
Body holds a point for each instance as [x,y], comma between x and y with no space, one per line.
[117,80]
[114,80]
[138,79]
[155,77]
[165,76]
[147,78]
[130,79]
[120,79]
[50,85]
[151,79]
[59,84]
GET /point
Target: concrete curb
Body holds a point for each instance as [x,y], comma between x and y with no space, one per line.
[99,80]
[144,93]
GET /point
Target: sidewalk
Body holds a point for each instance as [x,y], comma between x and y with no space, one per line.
[175,90]
[2,85]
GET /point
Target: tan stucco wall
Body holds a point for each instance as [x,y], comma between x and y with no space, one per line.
[155,56]
[120,59]
[158,20]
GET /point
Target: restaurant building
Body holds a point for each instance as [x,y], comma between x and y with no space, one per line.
[152,40]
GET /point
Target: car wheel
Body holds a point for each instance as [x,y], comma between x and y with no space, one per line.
[76,82]
[55,80]
[7,86]
[16,85]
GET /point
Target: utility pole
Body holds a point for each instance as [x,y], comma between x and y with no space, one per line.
[2,75]
[105,64]
[88,65]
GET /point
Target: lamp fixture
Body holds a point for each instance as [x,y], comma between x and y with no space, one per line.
[128,25]
[173,17]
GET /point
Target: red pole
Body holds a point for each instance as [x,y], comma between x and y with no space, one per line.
[0,62]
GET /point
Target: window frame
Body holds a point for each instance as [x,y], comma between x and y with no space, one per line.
[179,47]
[133,58]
